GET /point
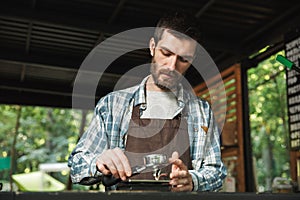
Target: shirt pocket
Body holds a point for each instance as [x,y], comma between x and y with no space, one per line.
[198,138]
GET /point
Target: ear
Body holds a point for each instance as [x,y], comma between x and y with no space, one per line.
[152,46]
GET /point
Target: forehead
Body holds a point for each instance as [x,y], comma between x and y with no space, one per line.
[178,45]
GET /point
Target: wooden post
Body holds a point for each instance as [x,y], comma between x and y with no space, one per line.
[13,147]
[228,109]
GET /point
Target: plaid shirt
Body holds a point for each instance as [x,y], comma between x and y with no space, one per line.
[110,124]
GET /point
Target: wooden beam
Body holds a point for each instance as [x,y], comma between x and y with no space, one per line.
[204,8]
[116,11]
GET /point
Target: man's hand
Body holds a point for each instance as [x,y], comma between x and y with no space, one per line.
[114,161]
[181,179]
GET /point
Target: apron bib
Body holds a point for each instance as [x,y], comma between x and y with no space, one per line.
[156,136]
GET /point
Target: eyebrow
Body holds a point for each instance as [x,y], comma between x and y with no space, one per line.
[188,57]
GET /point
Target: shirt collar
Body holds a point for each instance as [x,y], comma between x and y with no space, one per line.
[140,94]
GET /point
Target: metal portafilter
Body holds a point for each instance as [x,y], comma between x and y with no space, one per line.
[157,161]
[152,162]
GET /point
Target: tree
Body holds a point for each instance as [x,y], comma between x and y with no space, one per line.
[44,135]
[268,121]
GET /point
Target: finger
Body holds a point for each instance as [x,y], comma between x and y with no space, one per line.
[180,181]
[102,165]
[179,174]
[113,163]
[179,169]
[121,163]
[179,164]
[175,155]
[125,162]
[109,163]
[106,164]
[176,161]
[179,185]
[182,188]
[102,168]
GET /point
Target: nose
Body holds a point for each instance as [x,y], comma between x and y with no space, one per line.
[172,62]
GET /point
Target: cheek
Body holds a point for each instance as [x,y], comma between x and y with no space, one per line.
[160,59]
[182,68]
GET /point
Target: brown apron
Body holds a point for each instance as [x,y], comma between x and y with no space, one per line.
[152,136]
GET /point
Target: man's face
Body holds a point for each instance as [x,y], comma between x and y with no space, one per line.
[172,56]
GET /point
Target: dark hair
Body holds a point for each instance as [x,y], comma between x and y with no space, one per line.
[180,24]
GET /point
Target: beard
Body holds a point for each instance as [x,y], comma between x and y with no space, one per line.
[170,83]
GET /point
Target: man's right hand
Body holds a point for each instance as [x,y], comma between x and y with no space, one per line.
[114,161]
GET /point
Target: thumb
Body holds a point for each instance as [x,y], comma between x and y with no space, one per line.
[174,167]
[175,155]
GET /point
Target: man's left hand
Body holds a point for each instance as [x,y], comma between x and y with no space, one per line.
[181,179]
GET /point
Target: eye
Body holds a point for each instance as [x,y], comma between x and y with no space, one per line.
[166,52]
[182,59]
[185,59]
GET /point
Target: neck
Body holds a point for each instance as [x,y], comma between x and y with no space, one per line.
[151,86]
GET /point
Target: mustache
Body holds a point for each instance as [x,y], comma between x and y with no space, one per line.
[173,73]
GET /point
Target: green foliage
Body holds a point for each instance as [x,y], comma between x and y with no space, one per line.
[268,120]
[45,135]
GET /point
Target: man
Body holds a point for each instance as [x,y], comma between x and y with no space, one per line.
[157,116]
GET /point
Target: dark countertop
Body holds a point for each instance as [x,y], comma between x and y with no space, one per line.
[74,195]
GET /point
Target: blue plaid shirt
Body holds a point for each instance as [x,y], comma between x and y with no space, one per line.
[110,124]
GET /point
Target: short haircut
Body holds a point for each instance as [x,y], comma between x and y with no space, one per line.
[180,24]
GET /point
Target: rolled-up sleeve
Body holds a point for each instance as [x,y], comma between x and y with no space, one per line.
[208,170]
[82,160]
